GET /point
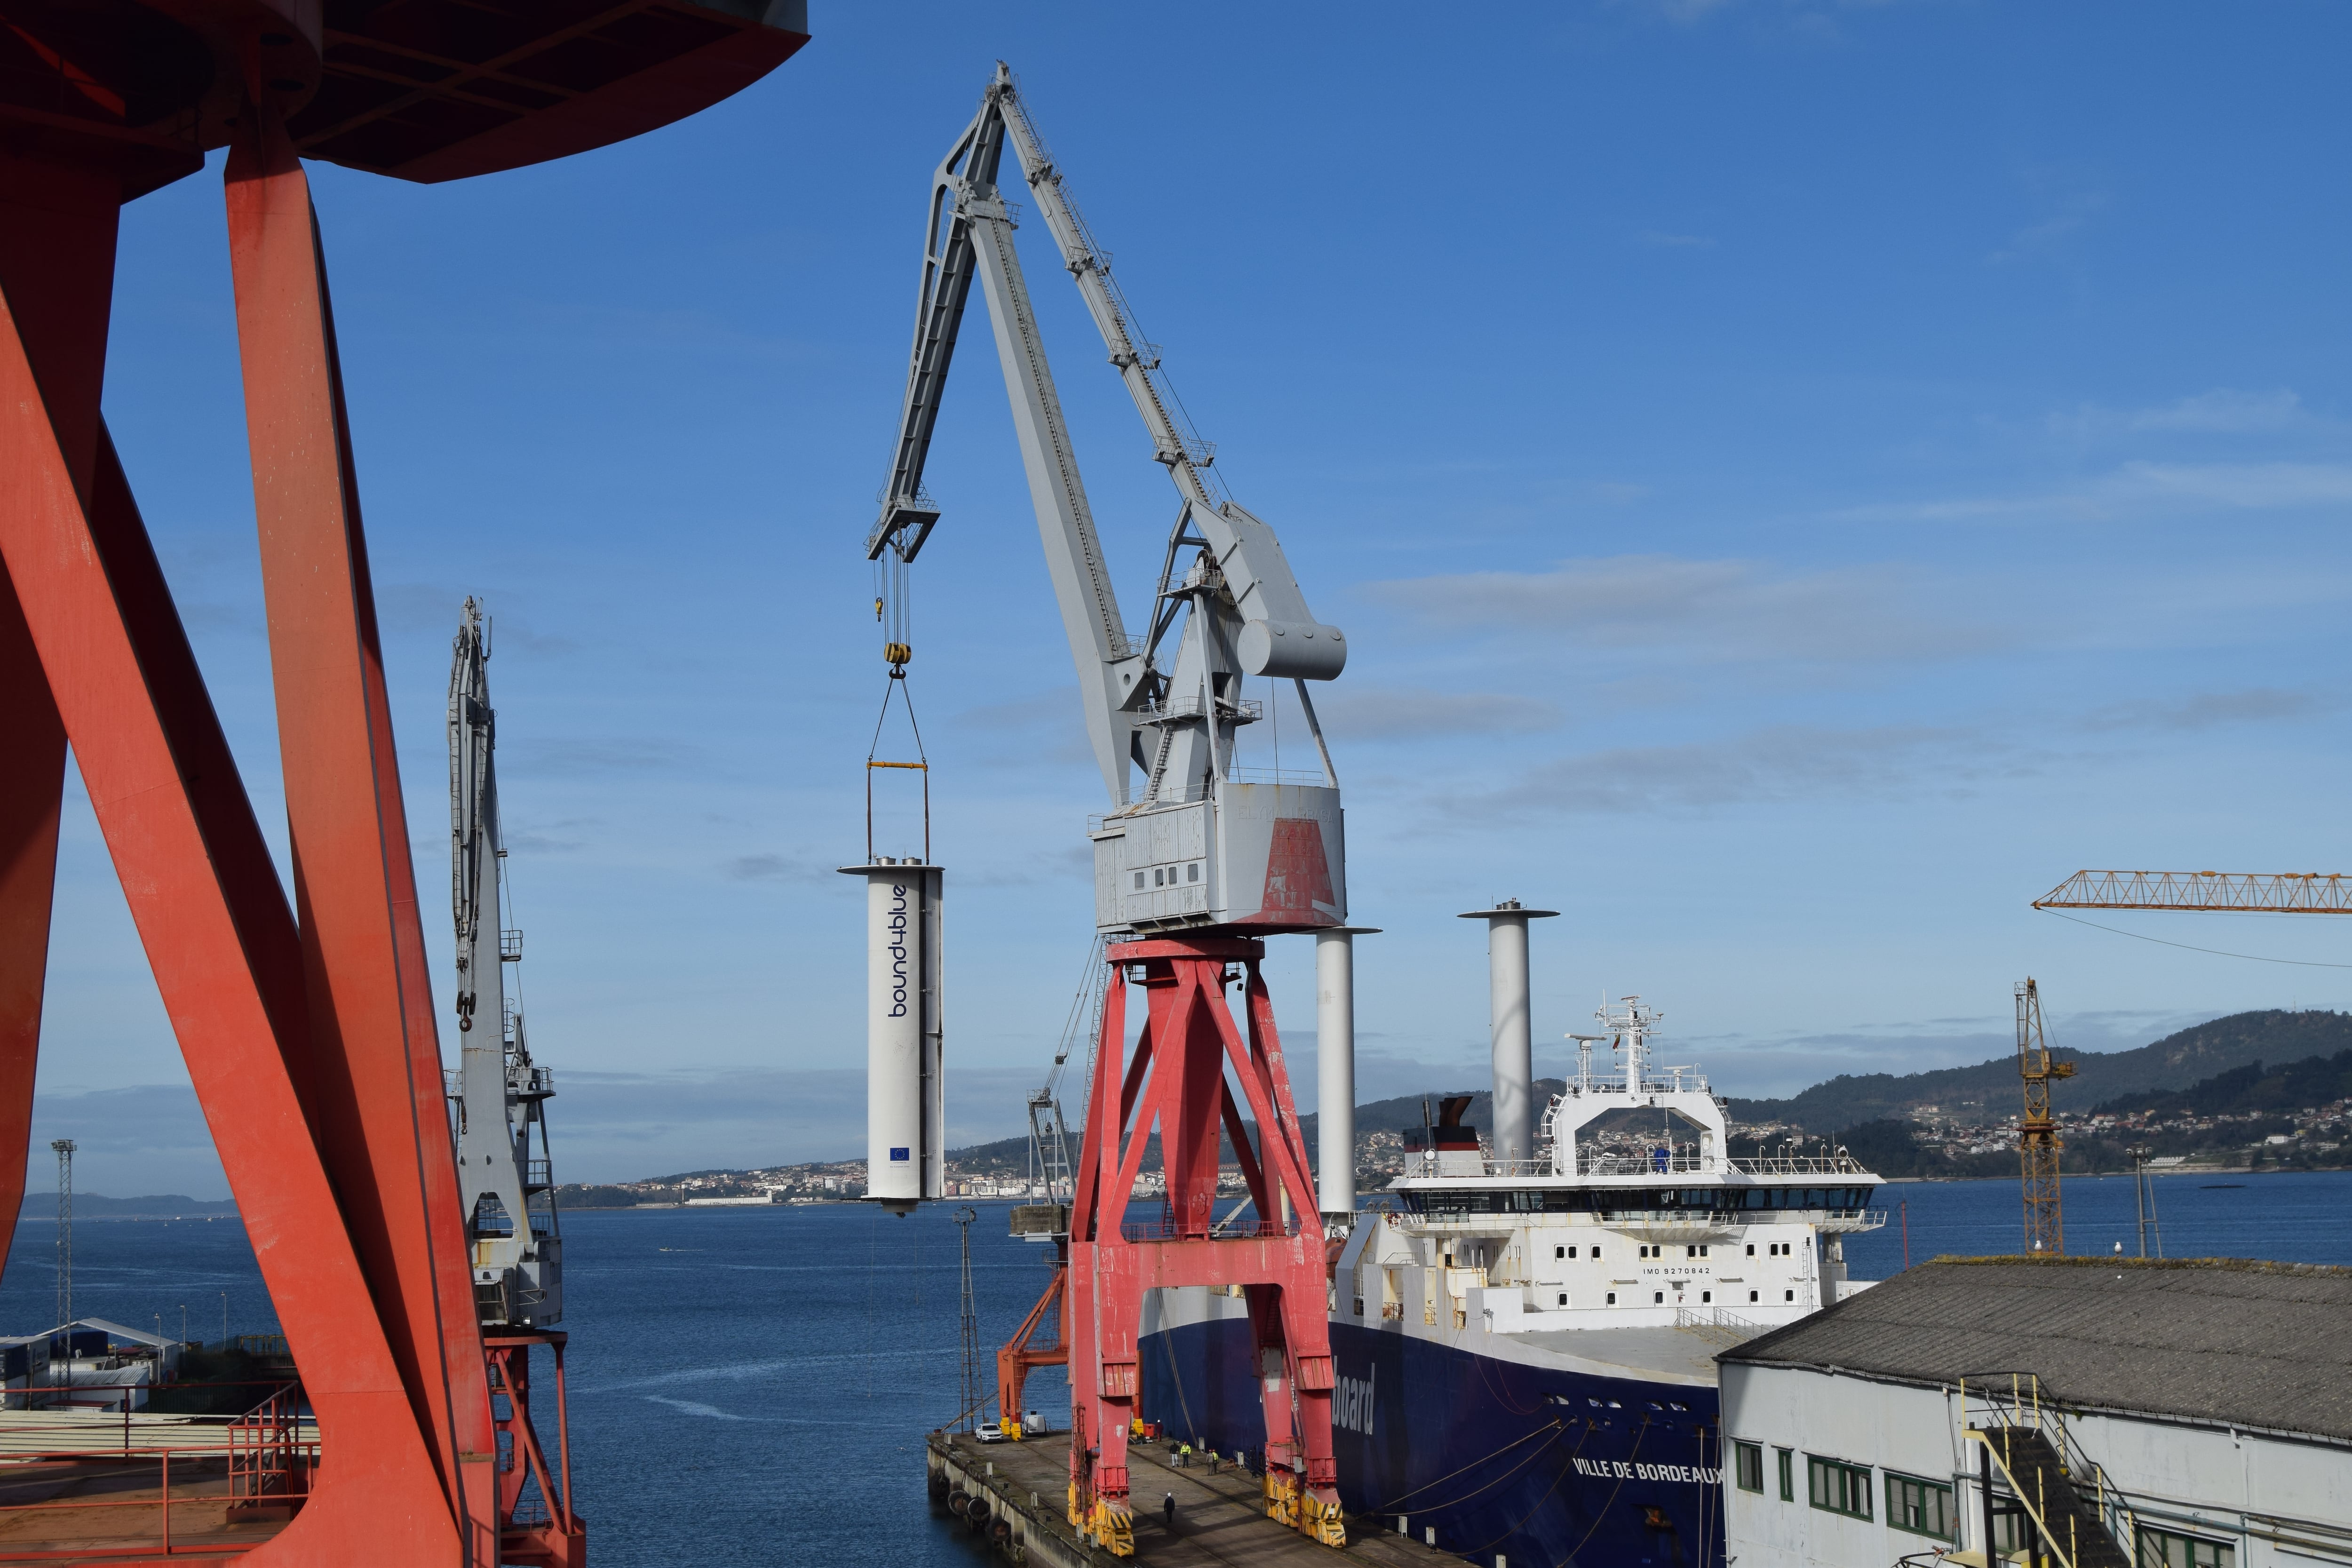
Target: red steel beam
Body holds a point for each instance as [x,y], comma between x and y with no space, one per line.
[212,917]
[383,1120]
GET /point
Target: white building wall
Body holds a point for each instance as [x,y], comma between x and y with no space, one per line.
[2278,1503]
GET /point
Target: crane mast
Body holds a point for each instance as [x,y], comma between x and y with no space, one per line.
[1195,847]
[501,1100]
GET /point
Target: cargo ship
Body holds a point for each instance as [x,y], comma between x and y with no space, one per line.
[1523,1348]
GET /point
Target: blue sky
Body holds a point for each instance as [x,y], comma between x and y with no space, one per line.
[1799,479]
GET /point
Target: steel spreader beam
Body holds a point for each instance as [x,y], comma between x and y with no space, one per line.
[2286,892]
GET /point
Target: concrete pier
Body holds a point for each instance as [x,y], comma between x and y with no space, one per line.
[1220,1516]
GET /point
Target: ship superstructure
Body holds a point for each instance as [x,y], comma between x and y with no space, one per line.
[1523,1348]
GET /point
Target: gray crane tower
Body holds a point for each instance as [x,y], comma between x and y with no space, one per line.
[500,1097]
[1194,843]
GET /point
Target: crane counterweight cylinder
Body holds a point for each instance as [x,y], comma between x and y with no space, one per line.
[905,1095]
[1291,651]
[1335,1068]
[1513,1040]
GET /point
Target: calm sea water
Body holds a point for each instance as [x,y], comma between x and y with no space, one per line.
[752,1385]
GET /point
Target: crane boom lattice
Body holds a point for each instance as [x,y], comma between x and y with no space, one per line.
[2285,892]
[2038,1143]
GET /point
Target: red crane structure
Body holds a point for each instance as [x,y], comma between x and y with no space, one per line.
[305,1021]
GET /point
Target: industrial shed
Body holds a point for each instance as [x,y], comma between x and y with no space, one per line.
[2181,1413]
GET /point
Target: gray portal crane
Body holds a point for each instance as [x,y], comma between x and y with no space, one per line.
[1198,845]
[500,1097]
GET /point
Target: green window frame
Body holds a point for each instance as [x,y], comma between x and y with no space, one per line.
[2170,1549]
[1921,1507]
[1834,1486]
[1788,1459]
[1747,1465]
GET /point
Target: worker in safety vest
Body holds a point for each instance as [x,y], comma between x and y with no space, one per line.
[1184,1456]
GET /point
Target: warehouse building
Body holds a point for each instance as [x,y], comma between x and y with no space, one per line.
[2188,1414]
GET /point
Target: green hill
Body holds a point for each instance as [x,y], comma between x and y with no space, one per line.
[2175,1062]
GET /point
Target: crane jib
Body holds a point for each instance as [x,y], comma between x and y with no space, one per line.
[1192,842]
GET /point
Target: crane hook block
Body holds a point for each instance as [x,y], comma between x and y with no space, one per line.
[1292,650]
[897,652]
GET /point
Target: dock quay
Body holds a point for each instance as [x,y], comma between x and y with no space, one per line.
[1219,1518]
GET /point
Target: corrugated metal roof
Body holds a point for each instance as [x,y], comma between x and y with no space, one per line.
[2250,1344]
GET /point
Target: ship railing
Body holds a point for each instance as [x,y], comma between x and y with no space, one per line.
[214,1470]
[1800,1165]
[1846,1222]
[1601,1163]
[1716,1325]
[1990,1401]
[1679,1081]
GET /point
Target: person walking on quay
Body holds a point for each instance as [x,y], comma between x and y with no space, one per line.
[1168,1511]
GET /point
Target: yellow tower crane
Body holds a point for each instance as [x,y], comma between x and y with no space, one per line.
[2204,892]
[2037,1133]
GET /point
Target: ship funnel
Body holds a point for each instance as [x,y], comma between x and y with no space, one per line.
[1514,1044]
[1334,1067]
[906,1101]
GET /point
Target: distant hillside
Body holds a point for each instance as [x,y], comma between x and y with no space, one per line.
[2292,1085]
[2215,1067]
[2174,1062]
[156,1205]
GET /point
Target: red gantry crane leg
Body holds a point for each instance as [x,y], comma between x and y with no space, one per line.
[306,1024]
[1177,1081]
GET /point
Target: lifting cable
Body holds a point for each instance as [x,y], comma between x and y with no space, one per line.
[894,607]
[2252,957]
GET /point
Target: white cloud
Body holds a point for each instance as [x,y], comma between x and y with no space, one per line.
[2139,489]
[2209,709]
[2221,411]
[1381,712]
[1718,610]
[1783,763]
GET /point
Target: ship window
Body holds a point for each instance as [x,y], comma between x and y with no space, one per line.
[1159,877]
[1192,872]
[1705,1295]
[1560,1252]
[1751,1295]
[1139,881]
[1613,1298]
[1747,1468]
[1657,1298]
[1788,1461]
[1596,1252]
[1923,1507]
[1751,1249]
[1563,1298]
[1788,1295]
[1835,1486]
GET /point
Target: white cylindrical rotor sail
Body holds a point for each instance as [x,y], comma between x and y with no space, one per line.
[905,1093]
[1513,1040]
[1334,1067]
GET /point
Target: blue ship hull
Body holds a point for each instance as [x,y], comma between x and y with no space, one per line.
[1539,1468]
